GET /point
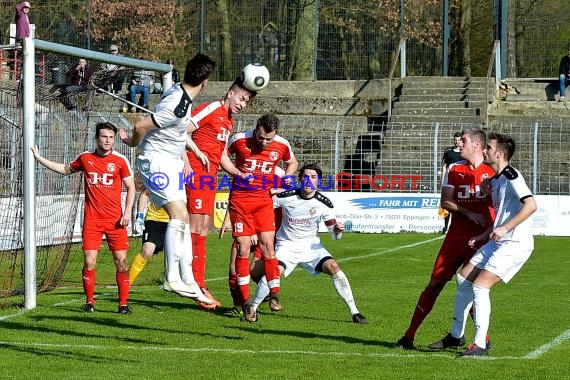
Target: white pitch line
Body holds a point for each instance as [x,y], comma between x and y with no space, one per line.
[23,311]
[390,250]
[9,316]
[545,348]
[240,351]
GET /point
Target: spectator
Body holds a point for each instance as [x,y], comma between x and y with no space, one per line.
[140,84]
[78,79]
[175,73]
[564,74]
[118,76]
[21,20]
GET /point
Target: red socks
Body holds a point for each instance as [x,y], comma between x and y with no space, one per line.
[199,259]
[242,270]
[124,286]
[89,284]
[272,274]
[423,308]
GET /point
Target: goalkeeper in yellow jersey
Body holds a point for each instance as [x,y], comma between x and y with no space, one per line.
[153,229]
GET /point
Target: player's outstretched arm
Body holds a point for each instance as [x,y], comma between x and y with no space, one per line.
[125,138]
[51,165]
[140,130]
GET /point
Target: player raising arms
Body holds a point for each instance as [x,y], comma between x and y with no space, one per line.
[163,142]
[104,171]
[210,128]
[472,213]
[298,242]
[257,153]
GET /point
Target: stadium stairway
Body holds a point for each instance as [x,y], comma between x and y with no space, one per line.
[440,99]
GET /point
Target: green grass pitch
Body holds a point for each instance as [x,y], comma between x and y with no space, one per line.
[169,337]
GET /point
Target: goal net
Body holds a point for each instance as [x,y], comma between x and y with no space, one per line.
[44,103]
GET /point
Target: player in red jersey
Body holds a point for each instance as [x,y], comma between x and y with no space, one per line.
[235,293]
[472,212]
[210,128]
[104,171]
[257,153]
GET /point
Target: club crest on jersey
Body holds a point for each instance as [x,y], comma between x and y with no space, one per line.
[312,212]
[111,167]
[484,176]
[274,156]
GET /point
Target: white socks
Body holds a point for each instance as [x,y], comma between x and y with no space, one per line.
[463,302]
[482,303]
[178,252]
[343,289]
[261,292]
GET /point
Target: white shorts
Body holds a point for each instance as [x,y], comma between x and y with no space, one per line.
[307,255]
[503,259]
[163,179]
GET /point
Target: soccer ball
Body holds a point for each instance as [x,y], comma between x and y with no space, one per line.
[255,76]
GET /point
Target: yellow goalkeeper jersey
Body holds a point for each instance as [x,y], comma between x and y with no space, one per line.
[158,215]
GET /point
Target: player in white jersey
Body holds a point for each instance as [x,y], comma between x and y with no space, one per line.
[298,242]
[162,137]
[510,243]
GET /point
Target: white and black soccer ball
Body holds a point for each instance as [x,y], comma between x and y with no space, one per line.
[255,76]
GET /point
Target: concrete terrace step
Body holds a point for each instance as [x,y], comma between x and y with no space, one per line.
[474,120]
[439,104]
[476,81]
[304,105]
[440,91]
[440,111]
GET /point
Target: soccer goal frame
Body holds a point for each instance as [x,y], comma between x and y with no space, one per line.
[29,47]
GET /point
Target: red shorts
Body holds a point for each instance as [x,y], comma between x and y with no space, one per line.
[453,254]
[251,215]
[201,195]
[116,235]
[278,212]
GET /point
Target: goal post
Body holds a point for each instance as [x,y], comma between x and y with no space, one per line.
[28,99]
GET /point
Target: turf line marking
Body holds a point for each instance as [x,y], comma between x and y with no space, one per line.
[545,348]
[390,250]
[240,351]
[9,316]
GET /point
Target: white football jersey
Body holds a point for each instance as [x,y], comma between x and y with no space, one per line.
[508,190]
[301,217]
[172,117]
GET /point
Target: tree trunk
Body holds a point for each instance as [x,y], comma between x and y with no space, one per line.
[305,42]
[226,66]
[465,37]
[512,41]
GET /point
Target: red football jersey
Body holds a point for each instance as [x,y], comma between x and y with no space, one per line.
[214,126]
[259,163]
[465,182]
[103,177]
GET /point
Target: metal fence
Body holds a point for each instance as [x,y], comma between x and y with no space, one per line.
[343,41]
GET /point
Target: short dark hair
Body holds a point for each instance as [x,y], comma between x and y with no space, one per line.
[238,84]
[198,69]
[310,166]
[505,143]
[457,134]
[268,123]
[106,125]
